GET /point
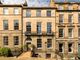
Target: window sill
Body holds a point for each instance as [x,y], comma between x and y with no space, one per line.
[39,48]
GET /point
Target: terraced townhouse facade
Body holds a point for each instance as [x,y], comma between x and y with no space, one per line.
[53,30]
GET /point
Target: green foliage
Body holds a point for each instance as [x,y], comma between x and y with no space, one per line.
[5,51]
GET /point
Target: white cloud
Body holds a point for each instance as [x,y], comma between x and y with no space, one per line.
[39,3]
[12,1]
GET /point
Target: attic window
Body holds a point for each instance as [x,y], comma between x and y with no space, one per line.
[70,7]
[60,7]
[79,7]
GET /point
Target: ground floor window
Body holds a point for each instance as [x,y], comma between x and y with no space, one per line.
[16,40]
[60,47]
[39,43]
[49,43]
[69,47]
[79,49]
[5,40]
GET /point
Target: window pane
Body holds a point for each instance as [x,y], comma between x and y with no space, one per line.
[16,24]
[39,27]
[48,55]
[5,40]
[5,24]
[79,49]
[78,18]
[28,13]
[61,33]
[61,18]
[39,43]
[70,7]
[16,40]
[49,13]
[78,32]
[60,47]
[49,27]
[70,47]
[28,27]
[60,7]
[16,11]
[79,7]
[70,32]
[49,43]
[38,13]
[5,10]
[70,18]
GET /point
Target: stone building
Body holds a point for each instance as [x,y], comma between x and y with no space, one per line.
[53,30]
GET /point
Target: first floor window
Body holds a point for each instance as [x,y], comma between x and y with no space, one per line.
[16,40]
[70,32]
[49,26]
[5,40]
[49,43]
[78,32]
[28,27]
[70,18]
[5,24]
[39,43]
[61,33]
[16,25]
[39,27]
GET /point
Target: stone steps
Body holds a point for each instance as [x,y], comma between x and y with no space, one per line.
[25,55]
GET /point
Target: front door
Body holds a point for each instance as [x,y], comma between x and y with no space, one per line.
[28,43]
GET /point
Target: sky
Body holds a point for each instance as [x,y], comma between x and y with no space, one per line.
[34,3]
[29,2]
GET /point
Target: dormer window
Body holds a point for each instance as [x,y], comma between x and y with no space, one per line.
[60,7]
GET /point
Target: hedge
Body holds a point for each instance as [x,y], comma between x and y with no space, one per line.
[5,51]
